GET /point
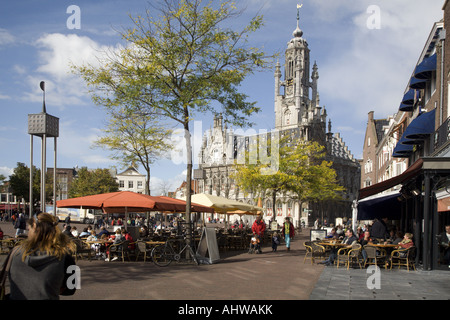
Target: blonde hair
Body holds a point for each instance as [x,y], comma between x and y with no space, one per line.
[46,238]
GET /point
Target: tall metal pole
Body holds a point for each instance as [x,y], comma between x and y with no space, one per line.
[54,180]
[31,176]
[426,224]
[43,173]
[42,125]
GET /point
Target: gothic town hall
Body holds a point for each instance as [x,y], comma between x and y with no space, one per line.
[297,113]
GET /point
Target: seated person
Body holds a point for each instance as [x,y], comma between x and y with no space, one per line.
[143,232]
[117,238]
[349,239]
[407,241]
[332,234]
[92,236]
[365,241]
[68,231]
[127,236]
[103,231]
[85,233]
[75,232]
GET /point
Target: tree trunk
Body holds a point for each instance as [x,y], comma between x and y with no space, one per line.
[147,185]
[187,136]
[274,198]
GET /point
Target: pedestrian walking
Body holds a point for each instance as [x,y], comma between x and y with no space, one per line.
[275,241]
[20,225]
[288,232]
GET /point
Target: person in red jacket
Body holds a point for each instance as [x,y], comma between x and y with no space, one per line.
[258,229]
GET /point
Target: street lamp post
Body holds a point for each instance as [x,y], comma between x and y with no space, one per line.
[42,125]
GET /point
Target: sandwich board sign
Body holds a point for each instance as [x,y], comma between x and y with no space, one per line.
[208,250]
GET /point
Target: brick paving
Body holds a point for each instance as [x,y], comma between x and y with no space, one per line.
[270,276]
[237,275]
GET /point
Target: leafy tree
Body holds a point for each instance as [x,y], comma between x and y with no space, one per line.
[20,183]
[178,63]
[302,173]
[311,178]
[135,138]
[89,182]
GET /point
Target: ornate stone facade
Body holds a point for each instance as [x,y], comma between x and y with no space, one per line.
[297,113]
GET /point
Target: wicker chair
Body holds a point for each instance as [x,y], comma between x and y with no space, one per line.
[121,249]
[82,249]
[313,250]
[354,255]
[404,257]
[142,248]
[375,256]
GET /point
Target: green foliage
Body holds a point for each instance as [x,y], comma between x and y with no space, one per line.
[20,182]
[178,62]
[89,182]
[302,172]
[135,138]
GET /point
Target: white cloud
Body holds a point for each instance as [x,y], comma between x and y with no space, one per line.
[5,171]
[57,52]
[6,37]
[372,69]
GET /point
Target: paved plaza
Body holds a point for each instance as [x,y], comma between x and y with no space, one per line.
[270,276]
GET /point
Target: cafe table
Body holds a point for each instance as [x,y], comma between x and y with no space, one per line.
[382,245]
[99,245]
[100,241]
[388,247]
[334,244]
[154,243]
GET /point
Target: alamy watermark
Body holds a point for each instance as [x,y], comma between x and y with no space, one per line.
[374,20]
[374,280]
[74,280]
[74,20]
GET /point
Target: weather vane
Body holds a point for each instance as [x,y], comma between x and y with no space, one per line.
[298,10]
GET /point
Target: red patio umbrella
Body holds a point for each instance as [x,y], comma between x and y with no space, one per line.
[126,201]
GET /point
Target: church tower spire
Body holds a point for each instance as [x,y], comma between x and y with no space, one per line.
[291,108]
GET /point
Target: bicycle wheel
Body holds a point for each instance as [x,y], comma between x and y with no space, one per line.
[161,256]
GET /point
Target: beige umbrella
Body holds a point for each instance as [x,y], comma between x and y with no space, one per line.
[224,205]
[221,204]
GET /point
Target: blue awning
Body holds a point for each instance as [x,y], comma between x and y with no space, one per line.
[421,127]
[408,100]
[425,69]
[415,83]
[402,150]
[385,206]
[418,130]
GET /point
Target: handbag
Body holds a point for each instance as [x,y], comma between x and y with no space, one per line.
[4,274]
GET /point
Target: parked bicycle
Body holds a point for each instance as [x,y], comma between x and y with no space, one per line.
[164,254]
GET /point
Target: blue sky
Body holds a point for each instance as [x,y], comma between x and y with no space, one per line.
[361,68]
